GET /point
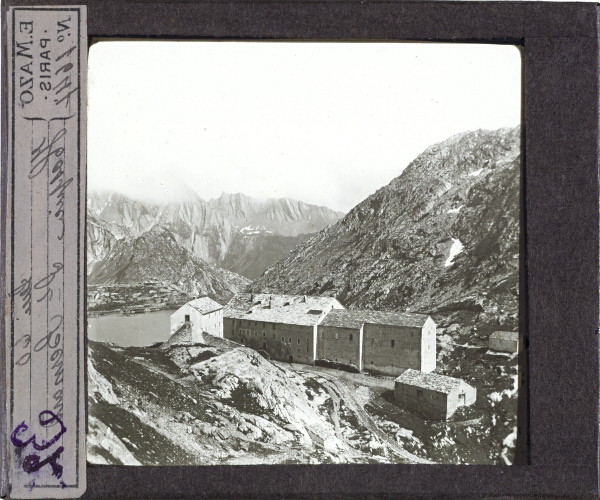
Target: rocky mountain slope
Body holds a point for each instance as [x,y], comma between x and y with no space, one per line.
[218,234]
[443,237]
[156,256]
[282,216]
[217,402]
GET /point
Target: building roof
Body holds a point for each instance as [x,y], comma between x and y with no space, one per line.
[343,318]
[205,305]
[430,381]
[505,335]
[181,336]
[306,310]
[356,318]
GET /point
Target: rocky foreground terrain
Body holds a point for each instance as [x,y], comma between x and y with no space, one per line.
[217,402]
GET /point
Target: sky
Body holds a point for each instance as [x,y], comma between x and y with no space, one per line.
[325,123]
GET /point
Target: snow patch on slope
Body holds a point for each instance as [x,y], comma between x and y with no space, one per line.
[475,173]
[455,249]
[455,210]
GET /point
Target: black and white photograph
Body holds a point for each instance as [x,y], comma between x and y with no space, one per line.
[303,252]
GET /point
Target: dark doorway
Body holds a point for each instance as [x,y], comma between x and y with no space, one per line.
[461,399]
[291,359]
[187,318]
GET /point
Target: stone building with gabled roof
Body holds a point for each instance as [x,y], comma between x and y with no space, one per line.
[284,326]
[201,315]
[437,396]
[385,342]
[504,342]
[307,328]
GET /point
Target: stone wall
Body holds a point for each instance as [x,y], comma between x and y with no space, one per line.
[434,404]
[343,345]
[280,341]
[504,345]
[428,346]
[213,323]
[454,400]
[430,403]
[391,349]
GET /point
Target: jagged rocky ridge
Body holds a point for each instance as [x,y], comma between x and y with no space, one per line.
[282,216]
[440,238]
[220,235]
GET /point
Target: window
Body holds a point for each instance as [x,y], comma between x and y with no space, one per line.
[306,348]
[255,333]
[298,340]
[283,339]
[187,318]
[350,337]
[393,343]
[290,340]
[337,335]
[264,345]
[264,334]
[240,331]
[273,334]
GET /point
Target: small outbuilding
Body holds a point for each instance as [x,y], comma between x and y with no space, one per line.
[202,315]
[504,342]
[436,396]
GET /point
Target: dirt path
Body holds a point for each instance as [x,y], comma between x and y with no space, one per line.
[340,389]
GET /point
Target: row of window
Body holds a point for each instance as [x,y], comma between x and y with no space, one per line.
[247,331]
[264,344]
[337,336]
[351,338]
[273,325]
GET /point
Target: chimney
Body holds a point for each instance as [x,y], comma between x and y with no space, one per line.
[305,298]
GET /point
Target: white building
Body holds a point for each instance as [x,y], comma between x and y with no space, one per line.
[203,315]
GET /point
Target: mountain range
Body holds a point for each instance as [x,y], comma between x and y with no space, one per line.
[282,216]
[234,232]
[441,237]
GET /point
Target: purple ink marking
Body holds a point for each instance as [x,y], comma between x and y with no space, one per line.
[22,427]
[32,462]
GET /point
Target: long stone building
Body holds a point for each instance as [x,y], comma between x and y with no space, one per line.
[386,342]
[304,329]
[283,326]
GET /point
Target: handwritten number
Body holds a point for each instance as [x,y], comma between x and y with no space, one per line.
[32,463]
[23,360]
[44,422]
